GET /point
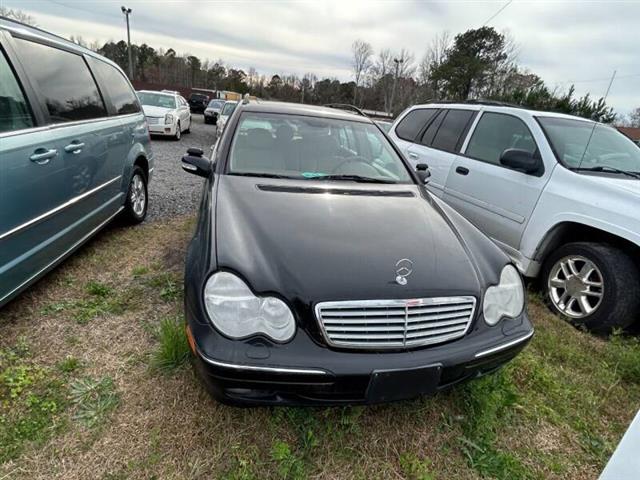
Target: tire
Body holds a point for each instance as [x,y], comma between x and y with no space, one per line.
[135,212]
[178,133]
[594,285]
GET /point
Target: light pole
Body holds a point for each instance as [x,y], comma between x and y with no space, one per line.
[397,61]
[127,12]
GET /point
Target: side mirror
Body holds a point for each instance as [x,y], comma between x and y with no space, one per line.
[194,162]
[520,160]
[422,169]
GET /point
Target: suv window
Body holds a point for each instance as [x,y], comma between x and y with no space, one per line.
[14,110]
[450,132]
[413,122]
[495,133]
[122,96]
[65,82]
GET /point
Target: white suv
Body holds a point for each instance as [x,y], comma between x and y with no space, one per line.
[167,113]
[559,194]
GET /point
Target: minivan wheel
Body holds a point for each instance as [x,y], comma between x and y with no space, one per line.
[594,285]
[178,132]
[135,208]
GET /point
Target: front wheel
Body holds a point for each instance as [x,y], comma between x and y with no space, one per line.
[135,207]
[178,133]
[594,285]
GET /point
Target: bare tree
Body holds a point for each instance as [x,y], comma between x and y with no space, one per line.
[18,15]
[435,55]
[405,69]
[361,62]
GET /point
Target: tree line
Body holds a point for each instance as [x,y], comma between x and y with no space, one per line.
[477,64]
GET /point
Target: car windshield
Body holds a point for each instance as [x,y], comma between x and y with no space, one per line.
[228,108]
[305,147]
[216,104]
[157,100]
[578,145]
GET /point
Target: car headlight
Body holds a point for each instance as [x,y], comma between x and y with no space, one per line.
[168,118]
[237,313]
[505,299]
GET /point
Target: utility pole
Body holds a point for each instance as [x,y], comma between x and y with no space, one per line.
[397,61]
[127,12]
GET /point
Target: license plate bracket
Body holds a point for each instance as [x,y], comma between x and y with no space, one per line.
[399,384]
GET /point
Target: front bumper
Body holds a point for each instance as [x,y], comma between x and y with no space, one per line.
[302,372]
[163,129]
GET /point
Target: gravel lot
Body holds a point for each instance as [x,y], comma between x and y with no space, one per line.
[172,191]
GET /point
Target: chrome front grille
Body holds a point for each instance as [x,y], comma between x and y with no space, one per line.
[380,324]
[153,120]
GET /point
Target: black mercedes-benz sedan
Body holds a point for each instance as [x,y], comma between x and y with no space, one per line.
[322,272]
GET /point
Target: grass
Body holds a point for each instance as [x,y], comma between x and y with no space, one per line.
[173,349]
[75,383]
[93,400]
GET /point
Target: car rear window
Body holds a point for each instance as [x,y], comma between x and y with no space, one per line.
[450,132]
[64,80]
[122,96]
[413,122]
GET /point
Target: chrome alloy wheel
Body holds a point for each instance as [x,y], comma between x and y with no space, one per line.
[575,286]
[138,195]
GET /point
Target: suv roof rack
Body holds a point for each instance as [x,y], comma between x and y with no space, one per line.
[347,107]
[479,101]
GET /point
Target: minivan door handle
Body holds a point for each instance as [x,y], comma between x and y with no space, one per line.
[74,147]
[42,156]
[462,170]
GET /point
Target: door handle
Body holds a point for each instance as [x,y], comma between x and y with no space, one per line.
[74,147]
[42,156]
[462,170]
[415,156]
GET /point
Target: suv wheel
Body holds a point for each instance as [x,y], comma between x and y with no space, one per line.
[592,284]
[178,132]
[135,207]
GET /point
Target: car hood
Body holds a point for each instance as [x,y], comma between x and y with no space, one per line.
[309,244]
[151,111]
[625,185]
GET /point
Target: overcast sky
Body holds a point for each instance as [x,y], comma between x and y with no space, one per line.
[562,41]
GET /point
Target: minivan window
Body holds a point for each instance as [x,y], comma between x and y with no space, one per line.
[65,82]
[497,132]
[14,111]
[413,122]
[451,130]
[122,96]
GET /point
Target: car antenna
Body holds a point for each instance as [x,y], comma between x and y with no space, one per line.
[595,124]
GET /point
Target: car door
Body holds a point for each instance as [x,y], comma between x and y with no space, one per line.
[126,122]
[78,119]
[438,145]
[495,198]
[34,181]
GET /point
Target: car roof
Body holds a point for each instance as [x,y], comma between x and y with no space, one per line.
[303,109]
[490,107]
[166,94]
[36,33]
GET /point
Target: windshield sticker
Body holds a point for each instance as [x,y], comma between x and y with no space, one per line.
[313,174]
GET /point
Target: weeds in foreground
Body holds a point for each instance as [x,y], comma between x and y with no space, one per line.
[173,349]
[31,402]
[93,399]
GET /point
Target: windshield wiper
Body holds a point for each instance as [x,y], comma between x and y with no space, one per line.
[606,168]
[261,175]
[353,178]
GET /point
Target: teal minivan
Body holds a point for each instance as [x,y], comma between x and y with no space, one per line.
[74,151]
